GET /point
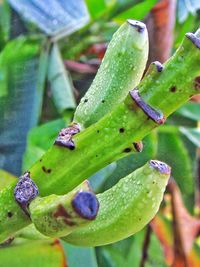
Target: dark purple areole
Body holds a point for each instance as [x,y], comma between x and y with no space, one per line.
[160,166]
[65,136]
[158,65]
[148,110]
[195,40]
[86,205]
[140,27]
[25,191]
[138,146]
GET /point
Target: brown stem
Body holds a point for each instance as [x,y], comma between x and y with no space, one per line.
[146,246]
[160,25]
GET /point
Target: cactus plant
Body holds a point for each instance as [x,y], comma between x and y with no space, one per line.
[163,90]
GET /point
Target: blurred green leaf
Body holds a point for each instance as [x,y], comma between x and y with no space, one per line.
[39,140]
[96,8]
[5,179]
[137,12]
[33,254]
[172,150]
[181,29]
[22,72]
[80,257]
[192,134]
[126,253]
[5,19]
[132,162]
[99,178]
[60,82]
[191,111]
[155,253]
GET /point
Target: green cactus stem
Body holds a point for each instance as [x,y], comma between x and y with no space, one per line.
[61,169]
[57,216]
[121,69]
[126,207]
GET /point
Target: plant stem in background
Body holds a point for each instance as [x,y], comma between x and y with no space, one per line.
[146,246]
[160,25]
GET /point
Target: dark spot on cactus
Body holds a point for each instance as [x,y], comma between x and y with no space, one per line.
[152,114]
[103,101]
[86,205]
[138,146]
[140,219]
[173,89]
[65,136]
[121,130]
[85,100]
[7,242]
[96,156]
[40,160]
[160,166]
[127,150]
[195,40]
[98,131]
[10,214]
[62,212]
[158,65]
[197,83]
[25,191]
[46,170]
[68,222]
[140,27]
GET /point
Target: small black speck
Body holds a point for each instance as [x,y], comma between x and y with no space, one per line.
[85,100]
[103,101]
[46,170]
[98,131]
[121,130]
[173,89]
[96,156]
[126,150]
[140,219]
[10,214]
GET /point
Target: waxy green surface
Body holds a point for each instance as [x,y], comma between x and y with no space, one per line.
[120,71]
[55,216]
[125,208]
[103,143]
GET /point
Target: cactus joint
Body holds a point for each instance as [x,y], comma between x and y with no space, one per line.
[195,40]
[138,146]
[160,166]
[25,191]
[140,27]
[86,205]
[158,65]
[65,136]
[148,110]
[62,212]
